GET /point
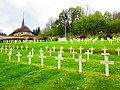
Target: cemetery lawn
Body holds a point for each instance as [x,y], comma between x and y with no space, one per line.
[22,76]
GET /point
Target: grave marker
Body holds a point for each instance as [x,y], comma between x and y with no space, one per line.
[88,54]
[18,55]
[105,55]
[32,51]
[42,58]
[104,49]
[91,49]
[17,47]
[50,52]
[106,62]
[61,51]
[54,48]
[9,56]
[41,51]
[118,50]
[13,46]
[29,57]
[80,49]
[21,47]
[1,49]
[71,49]
[46,48]
[59,58]
[73,52]
[6,49]
[102,40]
[26,47]
[80,60]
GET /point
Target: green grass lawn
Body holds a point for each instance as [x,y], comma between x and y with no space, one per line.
[14,75]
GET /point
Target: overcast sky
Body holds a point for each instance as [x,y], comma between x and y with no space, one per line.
[37,12]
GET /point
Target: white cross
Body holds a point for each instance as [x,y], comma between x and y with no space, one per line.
[1,49]
[118,49]
[42,57]
[21,47]
[17,47]
[11,50]
[29,57]
[104,49]
[59,58]
[73,52]
[80,49]
[88,54]
[46,48]
[61,47]
[32,51]
[102,40]
[71,41]
[70,49]
[9,55]
[61,51]
[105,55]
[18,56]
[6,50]
[111,41]
[54,48]
[106,62]
[9,46]
[91,49]
[50,52]
[80,60]
[40,51]
[26,47]
[13,47]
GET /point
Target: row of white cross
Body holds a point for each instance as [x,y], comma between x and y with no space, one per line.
[61,50]
[80,60]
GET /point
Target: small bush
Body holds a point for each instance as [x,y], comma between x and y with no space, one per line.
[44,38]
[108,36]
[83,36]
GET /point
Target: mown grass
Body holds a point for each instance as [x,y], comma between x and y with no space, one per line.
[14,75]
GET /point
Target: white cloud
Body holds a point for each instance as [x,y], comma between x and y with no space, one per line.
[37,12]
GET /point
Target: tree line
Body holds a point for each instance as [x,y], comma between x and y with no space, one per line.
[79,20]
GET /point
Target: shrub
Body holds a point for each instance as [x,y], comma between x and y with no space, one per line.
[108,36]
[44,38]
[83,36]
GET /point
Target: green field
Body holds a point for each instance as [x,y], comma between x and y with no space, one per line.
[22,76]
